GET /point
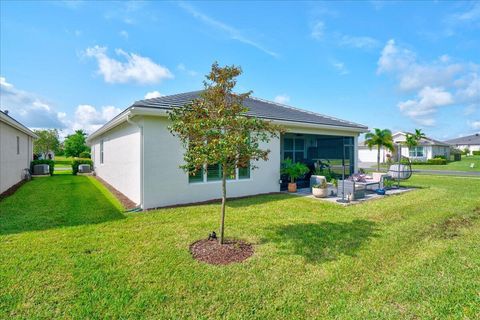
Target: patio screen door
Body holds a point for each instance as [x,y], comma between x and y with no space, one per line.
[294,148]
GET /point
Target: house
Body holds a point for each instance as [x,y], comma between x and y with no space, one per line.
[136,154]
[471,143]
[427,148]
[16,150]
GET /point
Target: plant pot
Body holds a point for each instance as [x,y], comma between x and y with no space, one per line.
[314,179]
[292,187]
[320,192]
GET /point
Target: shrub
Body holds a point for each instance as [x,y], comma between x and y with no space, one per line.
[50,163]
[85,155]
[76,162]
[440,157]
[476,153]
[437,161]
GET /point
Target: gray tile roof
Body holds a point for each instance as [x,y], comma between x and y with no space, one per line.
[257,107]
[473,139]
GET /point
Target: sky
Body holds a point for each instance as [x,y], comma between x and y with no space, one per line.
[397,65]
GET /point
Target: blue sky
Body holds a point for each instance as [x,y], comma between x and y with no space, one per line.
[396,65]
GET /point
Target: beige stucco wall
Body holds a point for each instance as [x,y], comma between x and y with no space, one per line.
[11,163]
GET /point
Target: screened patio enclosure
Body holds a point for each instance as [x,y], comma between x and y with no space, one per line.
[317,150]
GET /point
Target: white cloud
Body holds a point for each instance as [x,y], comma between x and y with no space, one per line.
[474,124]
[232,32]
[183,68]
[318,30]
[153,94]
[88,118]
[123,34]
[135,67]
[471,14]
[434,84]
[426,104]
[282,98]
[29,109]
[340,67]
[361,42]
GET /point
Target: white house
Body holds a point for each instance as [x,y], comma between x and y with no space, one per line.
[427,148]
[16,150]
[137,155]
[471,143]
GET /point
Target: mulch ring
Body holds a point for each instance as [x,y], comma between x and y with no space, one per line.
[212,252]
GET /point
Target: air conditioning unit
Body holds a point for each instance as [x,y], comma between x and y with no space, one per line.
[41,169]
[84,168]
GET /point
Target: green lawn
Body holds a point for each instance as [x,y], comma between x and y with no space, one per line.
[68,251]
[463,165]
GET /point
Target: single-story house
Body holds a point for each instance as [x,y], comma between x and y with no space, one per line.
[427,148]
[16,150]
[471,143]
[136,154]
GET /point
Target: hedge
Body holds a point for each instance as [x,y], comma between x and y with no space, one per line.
[50,163]
[435,161]
[76,162]
[85,155]
[476,153]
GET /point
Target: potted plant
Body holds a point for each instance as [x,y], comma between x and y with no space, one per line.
[320,190]
[320,174]
[294,170]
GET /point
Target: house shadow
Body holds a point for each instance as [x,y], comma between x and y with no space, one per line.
[322,242]
[64,201]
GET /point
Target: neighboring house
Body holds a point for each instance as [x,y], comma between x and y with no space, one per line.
[427,148]
[16,150]
[471,142]
[137,155]
[49,156]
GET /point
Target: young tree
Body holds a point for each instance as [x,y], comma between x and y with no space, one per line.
[47,141]
[380,138]
[75,144]
[214,129]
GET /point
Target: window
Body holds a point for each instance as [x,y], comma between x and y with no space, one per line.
[197,177]
[101,151]
[244,172]
[18,145]
[214,173]
[416,152]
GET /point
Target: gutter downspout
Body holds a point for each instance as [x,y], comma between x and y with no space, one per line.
[140,127]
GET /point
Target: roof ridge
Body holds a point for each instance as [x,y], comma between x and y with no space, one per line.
[306,111]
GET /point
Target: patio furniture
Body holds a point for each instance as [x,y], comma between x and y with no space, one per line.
[356,189]
[376,181]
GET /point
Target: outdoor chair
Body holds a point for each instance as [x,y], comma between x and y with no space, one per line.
[356,189]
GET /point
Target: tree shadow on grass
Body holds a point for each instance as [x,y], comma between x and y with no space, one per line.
[324,241]
[55,202]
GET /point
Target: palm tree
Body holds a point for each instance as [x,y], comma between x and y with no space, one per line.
[380,138]
[413,139]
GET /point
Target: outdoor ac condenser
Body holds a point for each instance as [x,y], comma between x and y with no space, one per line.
[84,168]
[41,169]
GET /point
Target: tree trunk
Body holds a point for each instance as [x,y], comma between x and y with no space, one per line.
[378,158]
[224,200]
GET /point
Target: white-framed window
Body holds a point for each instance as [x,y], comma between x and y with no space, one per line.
[213,173]
[416,152]
[101,152]
[18,145]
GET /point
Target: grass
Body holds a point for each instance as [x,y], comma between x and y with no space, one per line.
[463,165]
[68,251]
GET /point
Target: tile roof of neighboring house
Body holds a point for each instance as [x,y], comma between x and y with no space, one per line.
[257,107]
[14,123]
[473,139]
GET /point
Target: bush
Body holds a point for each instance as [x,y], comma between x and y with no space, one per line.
[440,157]
[85,155]
[476,153]
[50,163]
[437,161]
[76,162]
